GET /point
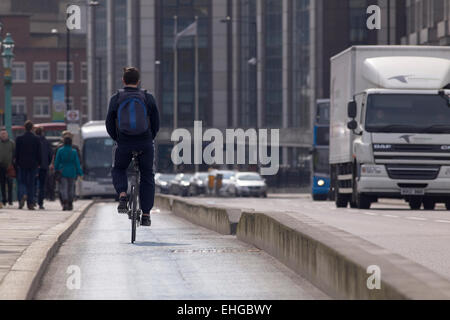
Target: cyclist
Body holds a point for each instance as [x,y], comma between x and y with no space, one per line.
[133,122]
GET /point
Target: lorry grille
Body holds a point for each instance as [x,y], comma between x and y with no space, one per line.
[405,172]
[412,153]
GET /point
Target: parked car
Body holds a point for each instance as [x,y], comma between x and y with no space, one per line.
[179,186]
[198,184]
[249,184]
[162,182]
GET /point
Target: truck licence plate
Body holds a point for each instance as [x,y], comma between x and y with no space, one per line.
[412,192]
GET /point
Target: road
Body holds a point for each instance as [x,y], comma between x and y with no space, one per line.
[421,236]
[173,259]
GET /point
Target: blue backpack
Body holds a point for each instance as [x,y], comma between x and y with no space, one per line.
[132,115]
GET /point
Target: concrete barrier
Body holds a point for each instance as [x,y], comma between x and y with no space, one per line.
[220,220]
[337,262]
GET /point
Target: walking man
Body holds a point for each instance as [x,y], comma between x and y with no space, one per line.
[46,159]
[7,149]
[28,159]
[133,122]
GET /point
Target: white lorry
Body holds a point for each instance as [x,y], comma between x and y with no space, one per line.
[390,125]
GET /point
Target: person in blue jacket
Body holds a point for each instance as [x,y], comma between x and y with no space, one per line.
[68,164]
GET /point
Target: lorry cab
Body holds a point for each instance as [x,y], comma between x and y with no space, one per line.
[391,139]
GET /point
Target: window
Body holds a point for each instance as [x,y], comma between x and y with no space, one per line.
[41,107]
[61,72]
[70,105]
[19,72]
[84,107]
[41,72]
[18,105]
[83,76]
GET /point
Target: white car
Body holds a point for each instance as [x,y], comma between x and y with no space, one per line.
[249,184]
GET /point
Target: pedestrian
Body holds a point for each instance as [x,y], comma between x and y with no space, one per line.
[28,160]
[46,159]
[133,122]
[67,163]
[7,150]
[53,182]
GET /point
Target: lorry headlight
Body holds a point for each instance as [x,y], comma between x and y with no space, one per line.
[320,183]
[371,170]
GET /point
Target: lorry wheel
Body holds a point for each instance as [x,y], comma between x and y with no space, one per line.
[447,205]
[341,200]
[363,201]
[415,203]
[429,204]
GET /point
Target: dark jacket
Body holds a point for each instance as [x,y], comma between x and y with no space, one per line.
[28,151]
[111,120]
[46,152]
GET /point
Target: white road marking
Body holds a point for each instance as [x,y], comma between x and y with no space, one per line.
[416,218]
[390,216]
[370,214]
[443,221]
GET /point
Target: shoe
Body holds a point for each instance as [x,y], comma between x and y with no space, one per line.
[123,205]
[70,206]
[41,207]
[22,202]
[11,204]
[146,221]
[30,207]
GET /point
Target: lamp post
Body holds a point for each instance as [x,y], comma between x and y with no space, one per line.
[7,57]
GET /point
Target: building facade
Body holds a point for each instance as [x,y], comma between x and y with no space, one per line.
[40,63]
[427,22]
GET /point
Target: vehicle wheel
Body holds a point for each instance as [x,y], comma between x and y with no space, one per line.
[353,205]
[447,205]
[415,203]
[363,201]
[341,200]
[429,204]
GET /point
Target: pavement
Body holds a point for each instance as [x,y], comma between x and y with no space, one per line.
[27,241]
[174,259]
[420,236]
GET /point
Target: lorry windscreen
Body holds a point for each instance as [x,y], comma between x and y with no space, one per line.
[407,113]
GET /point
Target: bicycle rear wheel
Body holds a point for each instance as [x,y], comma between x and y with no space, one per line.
[133,203]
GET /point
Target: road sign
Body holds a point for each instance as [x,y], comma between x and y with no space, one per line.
[73,115]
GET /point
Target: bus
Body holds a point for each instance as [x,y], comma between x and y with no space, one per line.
[96,152]
[320,152]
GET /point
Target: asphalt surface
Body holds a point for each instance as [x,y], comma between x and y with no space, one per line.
[421,236]
[173,259]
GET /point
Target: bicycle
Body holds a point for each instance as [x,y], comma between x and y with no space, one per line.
[134,210]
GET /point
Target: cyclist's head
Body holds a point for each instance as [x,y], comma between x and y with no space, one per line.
[67,141]
[131,76]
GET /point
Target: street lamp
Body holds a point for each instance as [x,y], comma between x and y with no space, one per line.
[7,57]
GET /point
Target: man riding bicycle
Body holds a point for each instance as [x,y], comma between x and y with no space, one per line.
[133,122]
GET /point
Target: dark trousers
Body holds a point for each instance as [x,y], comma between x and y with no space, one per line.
[41,182]
[6,182]
[26,184]
[122,159]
